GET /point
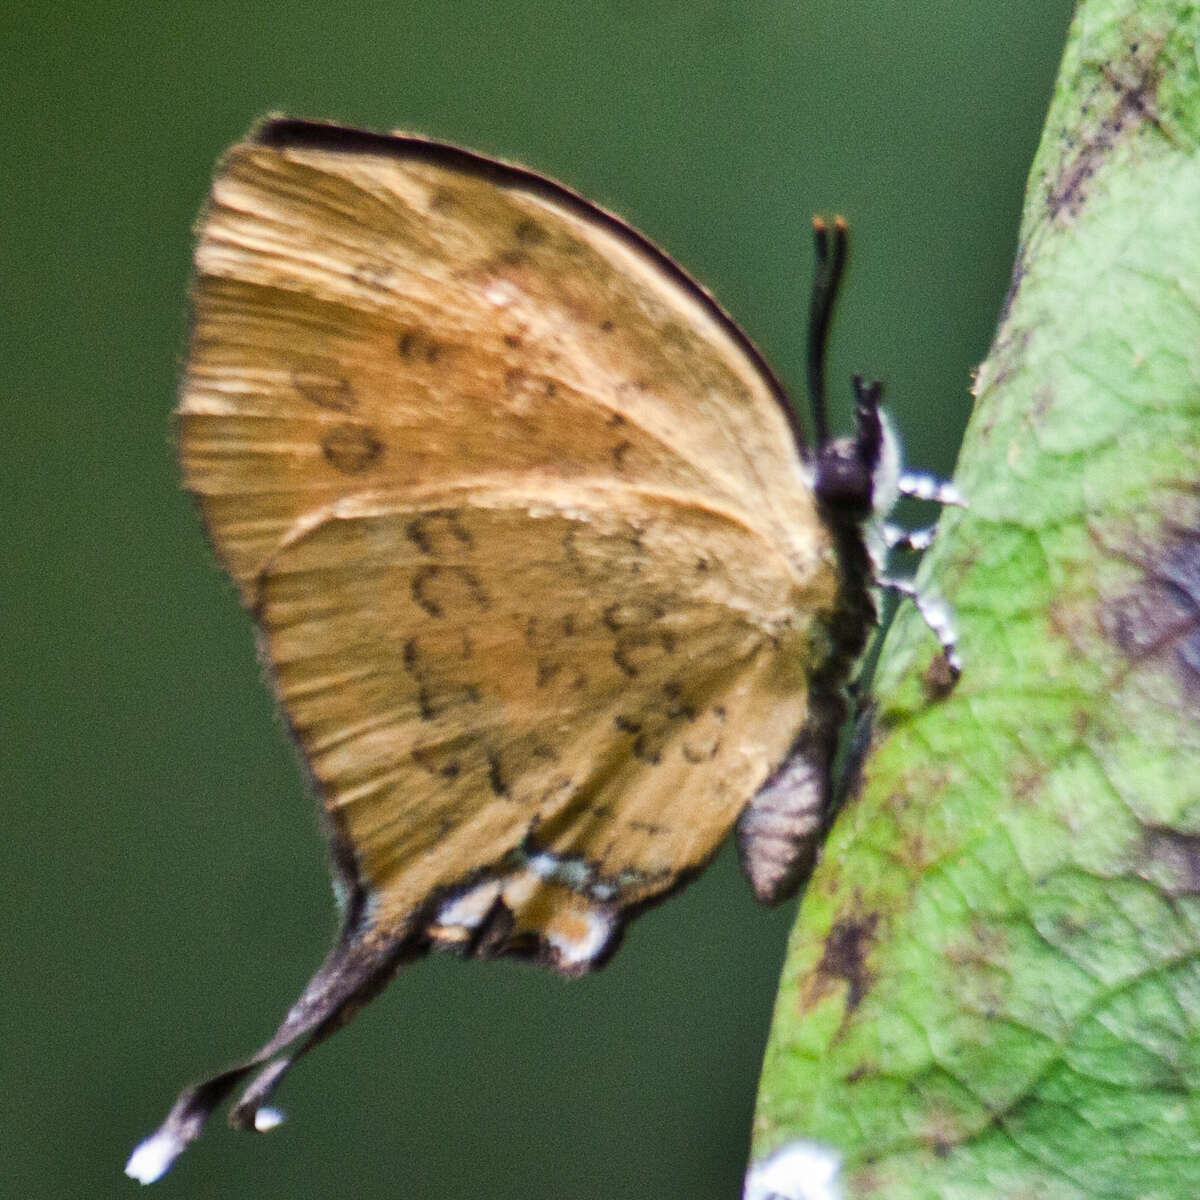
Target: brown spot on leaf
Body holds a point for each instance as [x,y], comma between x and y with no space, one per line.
[844,960]
[1173,857]
[1123,100]
[1158,619]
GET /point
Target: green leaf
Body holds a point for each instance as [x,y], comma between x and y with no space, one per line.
[993,989]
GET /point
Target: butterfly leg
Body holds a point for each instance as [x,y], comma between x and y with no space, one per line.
[896,537]
[921,486]
[935,612]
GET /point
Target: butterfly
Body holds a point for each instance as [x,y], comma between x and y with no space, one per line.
[551,589]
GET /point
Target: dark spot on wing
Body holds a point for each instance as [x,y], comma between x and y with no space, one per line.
[442,200]
[675,336]
[438,589]
[421,590]
[620,452]
[529,233]
[436,694]
[443,768]
[496,780]
[409,654]
[646,749]
[439,532]
[325,391]
[416,345]
[556,789]
[351,449]
[636,649]
[700,754]
[607,325]
[546,671]
[649,827]
[512,341]
[633,614]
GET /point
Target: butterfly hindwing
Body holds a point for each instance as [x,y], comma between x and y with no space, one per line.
[595,675]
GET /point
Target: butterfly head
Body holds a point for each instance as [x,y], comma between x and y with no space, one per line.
[858,479]
[858,476]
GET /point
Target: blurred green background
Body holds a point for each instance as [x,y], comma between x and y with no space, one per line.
[165,888]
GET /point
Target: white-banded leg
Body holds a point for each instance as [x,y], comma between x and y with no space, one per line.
[935,612]
[896,537]
[920,486]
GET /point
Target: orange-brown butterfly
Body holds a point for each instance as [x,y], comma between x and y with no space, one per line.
[551,588]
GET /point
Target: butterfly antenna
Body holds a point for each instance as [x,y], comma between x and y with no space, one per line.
[831,261]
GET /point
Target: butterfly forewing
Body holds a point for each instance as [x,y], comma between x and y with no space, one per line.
[371,319]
